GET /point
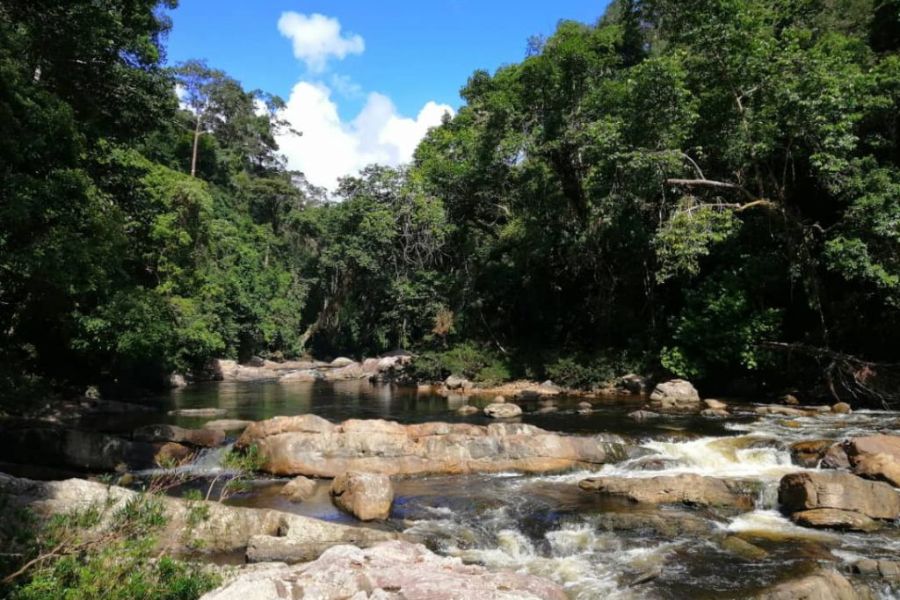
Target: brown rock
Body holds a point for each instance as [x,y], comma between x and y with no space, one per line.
[835,458]
[743,548]
[821,585]
[690,489]
[299,489]
[502,411]
[468,409]
[172,453]
[883,467]
[835,489]
[170,433]
[675,395]
[308,445]
[367,496]
[831,518]
[227,424]
[715,404]
[841,408]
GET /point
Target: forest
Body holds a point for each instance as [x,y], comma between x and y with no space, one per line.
[704,188]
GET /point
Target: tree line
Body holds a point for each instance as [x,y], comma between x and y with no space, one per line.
[709,189]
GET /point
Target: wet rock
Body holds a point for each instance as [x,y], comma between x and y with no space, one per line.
[502,411]
[835,458]
[676,394]
[669,524]
[549,385]
[841,408]
[423,389]
[787,411]
[78,449]
[790,400]
[545,402]
[889,569]
[227,528]
[454,382]
[643,415]
[689,489]
[299,489]
[177,380]
[741,547]
[227,424]
[882,467]
[346,373]
[585,406]
[712,413]
[303,376]
[468,410]
[865,566]
[198,412]
[171,453]
[633,383]
[715,404]
[309,445]
[367,496]
[830,518]
[230,370]
[873,444]
[386,571]
[825,584]
[499,400]
[208,438]
[808,453]
[839,490]
[546,410]
[342,361]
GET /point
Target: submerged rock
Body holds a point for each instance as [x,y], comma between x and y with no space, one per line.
[838,490]
[676,394]
[643,415]
[299,489]
[468,409]
[366,496]
[392,570]
[690,489]
[309,445]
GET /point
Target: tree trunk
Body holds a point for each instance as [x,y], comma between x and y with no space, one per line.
[196,144]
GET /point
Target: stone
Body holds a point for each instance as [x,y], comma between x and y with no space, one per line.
[502,411]
[499,400]
[549,385]
[839,490]
[585,406]
[824,584]
[546,410]
[367,496]
[78,449]
[177,380]
[689,489]
[299,489]
[226,529]
[714,413]
[835,458]
[227,424]
[883,467]
[172,453]
[889,569]
[808,453]
[208,438]
[303,376]
[790,400]
[468,410]
[342,361]
[866,566]
[454,383]
[386,571]
[198,412]
[643,415]
[786,411]
[311,446]
[841,408]
[715,404]
[231,371]
[345,373]
[831,518]
[676,394]
[633,383]
[743,548]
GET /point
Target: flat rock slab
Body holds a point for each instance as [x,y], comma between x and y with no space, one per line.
[312,446]
[832,518]
[689,489]
[388,571]
[839,490]
[826,584]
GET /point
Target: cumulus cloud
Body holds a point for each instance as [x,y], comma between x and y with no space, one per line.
[331,148]
[317,38]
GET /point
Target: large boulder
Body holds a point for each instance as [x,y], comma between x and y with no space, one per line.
[387,571]
[346,373]
[225,528]
[230,370]
[366,496]
[825,584]
[299,489]
[676,395]
[209,438]
[832,518]
[689,489]
[78,449]
[342,361]
[875,457]
[502,411]
[309,445]
[838,490]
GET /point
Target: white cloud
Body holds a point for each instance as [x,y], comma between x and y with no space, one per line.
[331,148]
[318,38]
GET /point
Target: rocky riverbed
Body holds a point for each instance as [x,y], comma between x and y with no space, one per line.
[668,495]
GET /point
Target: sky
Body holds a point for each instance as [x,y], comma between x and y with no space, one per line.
[363,80]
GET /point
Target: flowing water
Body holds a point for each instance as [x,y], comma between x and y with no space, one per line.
[547,526]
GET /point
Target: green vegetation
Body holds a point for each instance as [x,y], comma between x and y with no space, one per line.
[712,186]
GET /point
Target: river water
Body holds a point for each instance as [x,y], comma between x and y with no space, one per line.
[547,526]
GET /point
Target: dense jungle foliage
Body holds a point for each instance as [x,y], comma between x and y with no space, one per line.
[705,187]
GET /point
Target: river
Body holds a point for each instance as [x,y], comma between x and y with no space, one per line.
[546,525]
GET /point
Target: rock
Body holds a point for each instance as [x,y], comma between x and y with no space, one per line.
[715,404]
[635,384]
[585,406]
[423,389]
[468,410]
[712,413]
[92,392]
[643,415]
[883,467]
[676,394]
[546,410]
[454,383]
[303,376]
[839,490]
[808,453]
[367,496]
[546,402]
[309,445]
[841,408]
[873,444]
[227,424]
[831,518]
[502,411]
[172,453]
[82,450]
[835,458]
[230,370]
[743,548]
[499,400]
[198,412]
[370,365]
[825,584]
[387,571]
[177,380]
[299,489]
[346,373]
[790,400]
[690,489]
[208,438]
[549,385]
[787,411]
[342,361]
[889,569]
[865,566]
[226,529]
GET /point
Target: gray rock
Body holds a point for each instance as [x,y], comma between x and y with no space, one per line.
[227,424]
[367,496]
[643,415]
[209,438]
[454,383]
[299,489]
[689,489]
[676,395]
[342,361]
[502,411]
[838,490]
[825,584]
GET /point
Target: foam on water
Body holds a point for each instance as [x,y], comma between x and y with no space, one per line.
[209,462]
[771,523]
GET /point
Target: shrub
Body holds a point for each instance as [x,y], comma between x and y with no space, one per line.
[468,360]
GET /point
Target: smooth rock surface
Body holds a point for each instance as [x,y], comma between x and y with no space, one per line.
[366,496]
[309,445]
[839,490]
[299,489]
[208,438]
[389,571]
[502,411]
[676,394]
[689,489]
[826,584]
[832,518]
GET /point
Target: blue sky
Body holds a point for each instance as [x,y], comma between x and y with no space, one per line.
[363,78]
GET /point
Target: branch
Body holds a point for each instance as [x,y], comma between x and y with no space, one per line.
[710,184]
